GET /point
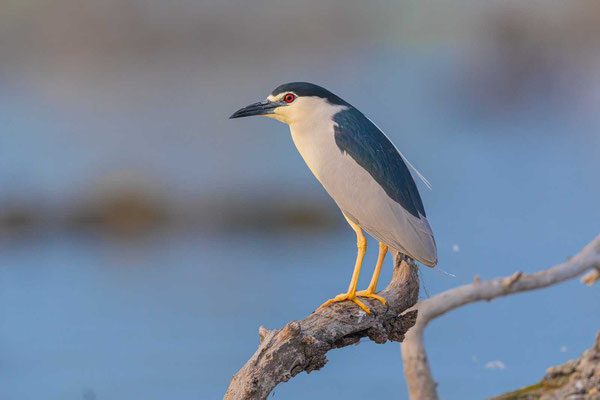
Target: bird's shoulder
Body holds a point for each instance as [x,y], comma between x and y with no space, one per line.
[360,138]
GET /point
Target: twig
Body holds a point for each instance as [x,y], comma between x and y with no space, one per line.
[416,368]
[302,345]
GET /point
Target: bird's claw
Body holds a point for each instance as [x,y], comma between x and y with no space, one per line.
[368,293]
[347,296]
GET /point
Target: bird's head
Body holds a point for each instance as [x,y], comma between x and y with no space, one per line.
[293,102]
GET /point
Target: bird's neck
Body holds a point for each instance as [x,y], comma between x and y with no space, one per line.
[314,139]
[314,119]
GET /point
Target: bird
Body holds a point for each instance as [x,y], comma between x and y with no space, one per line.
[361,169]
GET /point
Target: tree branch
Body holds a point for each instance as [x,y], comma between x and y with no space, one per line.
[301,346]
[416,367]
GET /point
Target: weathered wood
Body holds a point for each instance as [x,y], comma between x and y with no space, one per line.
[419,379]
[302,345]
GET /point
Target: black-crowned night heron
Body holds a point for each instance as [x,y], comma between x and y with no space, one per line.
[361,170]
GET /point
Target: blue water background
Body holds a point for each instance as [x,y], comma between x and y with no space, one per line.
[176,313]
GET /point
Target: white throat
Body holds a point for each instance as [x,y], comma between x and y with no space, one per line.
[312,128]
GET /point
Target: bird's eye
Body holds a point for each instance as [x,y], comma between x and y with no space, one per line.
[289,98]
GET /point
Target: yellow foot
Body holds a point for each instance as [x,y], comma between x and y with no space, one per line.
[344,297]
[367,293]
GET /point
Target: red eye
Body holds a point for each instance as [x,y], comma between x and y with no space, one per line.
[289,98]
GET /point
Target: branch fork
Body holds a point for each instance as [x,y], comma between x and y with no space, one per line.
[419,378]
[302,345]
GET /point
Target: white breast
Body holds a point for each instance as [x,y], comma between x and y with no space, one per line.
[350,185]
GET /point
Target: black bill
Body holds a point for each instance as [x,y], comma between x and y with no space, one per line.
[260,108]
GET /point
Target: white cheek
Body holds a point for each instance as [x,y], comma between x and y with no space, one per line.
[279,114]
[273,99]
[305,110]
[277,117]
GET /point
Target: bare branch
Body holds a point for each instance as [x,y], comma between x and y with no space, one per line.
[416,368]
[301,346]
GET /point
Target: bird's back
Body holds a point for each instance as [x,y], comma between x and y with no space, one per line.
[366,176]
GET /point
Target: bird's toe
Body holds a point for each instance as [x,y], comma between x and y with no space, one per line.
[344,297]
[366,293]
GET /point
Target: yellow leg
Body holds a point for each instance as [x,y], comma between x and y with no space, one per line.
[370,292]
[361,243]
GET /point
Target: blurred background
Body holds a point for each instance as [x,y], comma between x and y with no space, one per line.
[144,237]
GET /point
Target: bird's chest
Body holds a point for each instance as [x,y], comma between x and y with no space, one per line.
[336,170]
[316,144]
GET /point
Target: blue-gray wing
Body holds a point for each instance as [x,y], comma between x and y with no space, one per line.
[356,135]
[396,216]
